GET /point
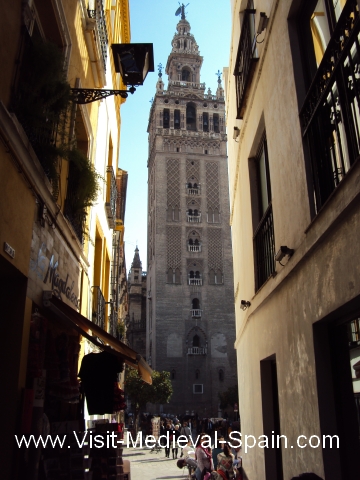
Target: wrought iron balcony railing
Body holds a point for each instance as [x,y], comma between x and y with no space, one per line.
[264,248]
[330,115]
[245,61]
[194,218]
[195,281]
[197,351]
[98,307]
[194,248]
[196,312]
[111,197]
[101,30]
[193,191]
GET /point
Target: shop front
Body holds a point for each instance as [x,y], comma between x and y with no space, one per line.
[72,372]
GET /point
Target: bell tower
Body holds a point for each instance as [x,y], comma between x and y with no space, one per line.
[190,314]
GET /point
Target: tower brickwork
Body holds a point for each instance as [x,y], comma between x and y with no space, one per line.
[190,314]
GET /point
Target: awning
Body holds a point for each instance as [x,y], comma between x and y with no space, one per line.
[84,326]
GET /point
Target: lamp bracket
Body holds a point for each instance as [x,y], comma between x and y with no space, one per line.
[82,96]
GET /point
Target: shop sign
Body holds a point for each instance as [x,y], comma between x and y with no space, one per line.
[60,285]
[48,273]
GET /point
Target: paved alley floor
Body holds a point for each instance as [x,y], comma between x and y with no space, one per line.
[147,465]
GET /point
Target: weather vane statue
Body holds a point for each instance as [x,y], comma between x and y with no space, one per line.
[181,10]
[160,68]
[218,73]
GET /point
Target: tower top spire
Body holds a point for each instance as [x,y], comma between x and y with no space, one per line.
[181,10]
[136,261]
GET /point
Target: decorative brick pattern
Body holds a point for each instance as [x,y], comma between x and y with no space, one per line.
[212,186]
[192,171]
[151,230]
[173,182]
[173,235]
[215,253]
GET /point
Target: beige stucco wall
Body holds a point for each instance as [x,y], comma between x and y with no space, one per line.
[319,278]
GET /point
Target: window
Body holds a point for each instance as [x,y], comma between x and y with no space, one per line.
[196,341]
[330,115]
[216,123]
[246,58]
[221,375]
[173,276]
[190,116]
[177,119]
[216,277]
[198,388]
[185,74]
[173,374]
[173,213]
[197,374]
[166,118]
[205,122]
[213,216]
[264,243]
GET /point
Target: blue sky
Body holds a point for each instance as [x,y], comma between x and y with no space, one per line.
[155,22]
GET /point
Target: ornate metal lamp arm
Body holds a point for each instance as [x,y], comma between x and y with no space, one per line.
[88,95]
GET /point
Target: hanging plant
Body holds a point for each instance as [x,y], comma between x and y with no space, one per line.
[41,103]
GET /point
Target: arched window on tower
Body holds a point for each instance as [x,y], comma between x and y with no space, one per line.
[166,118]
[216,122]
[190,116]
[221,375]
[185,74]
[196,341]
[197,374]
[205,122]
[176,119]
[173,374]
[177,276]
[170,276]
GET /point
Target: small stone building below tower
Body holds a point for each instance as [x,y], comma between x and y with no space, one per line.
[136,331]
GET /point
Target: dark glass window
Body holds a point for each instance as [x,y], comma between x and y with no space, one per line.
[264,242]
[205,122]
[216,123]
[330,114]
[166,118]
[176,118]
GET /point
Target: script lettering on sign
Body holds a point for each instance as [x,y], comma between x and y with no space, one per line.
[60,286]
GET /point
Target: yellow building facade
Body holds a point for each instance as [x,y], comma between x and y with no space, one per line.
[58,164]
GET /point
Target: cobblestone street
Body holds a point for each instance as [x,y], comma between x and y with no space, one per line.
[147,465]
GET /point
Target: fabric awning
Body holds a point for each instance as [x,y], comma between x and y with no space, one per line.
[84,326]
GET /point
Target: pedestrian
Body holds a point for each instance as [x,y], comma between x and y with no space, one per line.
[217,448]
[162,435]
[203,457]
[174,441]
[185,430]
[189,457]
[169,434]
[225,463]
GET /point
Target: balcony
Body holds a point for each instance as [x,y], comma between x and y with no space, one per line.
[98,304]
[181,83]
[330,113]
[100,31]
[197,351]
[193,191]
[195,281]
[245,61]
[196,313]
[111,197]
[194,248]
[194,218]
[264,248]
